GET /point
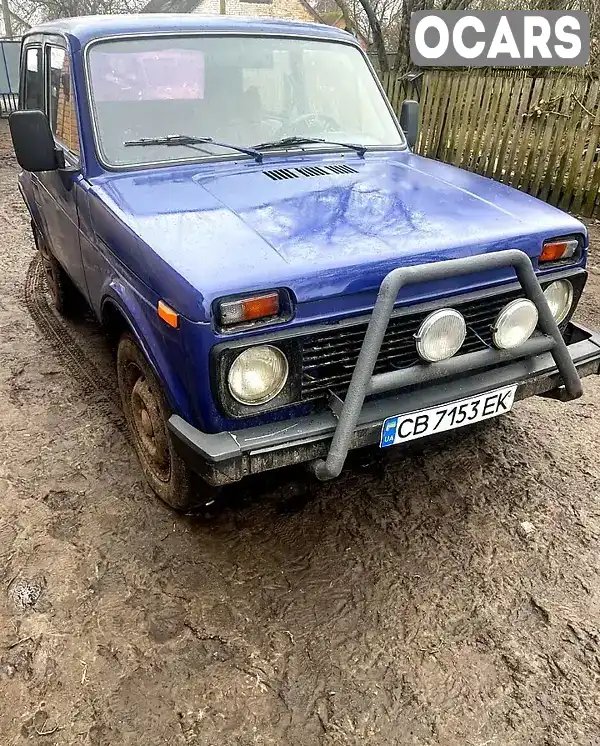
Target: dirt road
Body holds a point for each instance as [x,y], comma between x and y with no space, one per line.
[448,597]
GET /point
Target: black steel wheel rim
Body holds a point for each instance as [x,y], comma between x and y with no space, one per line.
[149,428]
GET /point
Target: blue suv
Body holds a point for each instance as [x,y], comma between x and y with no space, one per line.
[284,277]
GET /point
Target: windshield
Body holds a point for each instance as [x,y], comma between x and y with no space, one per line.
[241,90]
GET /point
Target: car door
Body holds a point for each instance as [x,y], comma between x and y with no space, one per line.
[57,191]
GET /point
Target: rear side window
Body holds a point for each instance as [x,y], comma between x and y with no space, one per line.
[33,92]
[61,103]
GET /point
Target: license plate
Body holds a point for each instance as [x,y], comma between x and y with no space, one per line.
[420,424]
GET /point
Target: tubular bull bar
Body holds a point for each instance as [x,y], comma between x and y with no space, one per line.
[365,383]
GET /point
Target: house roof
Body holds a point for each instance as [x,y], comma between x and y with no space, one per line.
[188,6]
[171,6]
[88,28]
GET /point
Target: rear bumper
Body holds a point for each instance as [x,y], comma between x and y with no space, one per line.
[226,457]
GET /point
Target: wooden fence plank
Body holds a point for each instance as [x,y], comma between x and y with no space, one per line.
[563,109]
[571,127]
[478,120]
[439,107]
[427,96]
[463,125]
[491,125]
[447,147]
[590,207]
[512,151]
[508,130]
[498,125]
[432,82]
[546,140]
[525,133]
[393,85]
[471,119]
[588,159]
[483,125]
[422,99]
[571,121]
[444,113]
[576,154]
[447,125]
[385,79]
[399,95]
[539,126]
[457,119]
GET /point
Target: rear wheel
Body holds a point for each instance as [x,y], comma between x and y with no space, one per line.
[65,296]
[147,415]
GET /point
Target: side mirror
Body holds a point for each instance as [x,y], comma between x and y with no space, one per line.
[409,121]
[32,140]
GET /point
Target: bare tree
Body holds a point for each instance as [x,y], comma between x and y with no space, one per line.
[376,35]
[386,23]
[37,11]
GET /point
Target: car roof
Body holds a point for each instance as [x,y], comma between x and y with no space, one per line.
[89,28]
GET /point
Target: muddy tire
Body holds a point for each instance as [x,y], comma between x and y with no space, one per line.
[147,415]
[65,297]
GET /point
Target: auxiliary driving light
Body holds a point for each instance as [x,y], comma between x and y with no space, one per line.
[441,335]
[258,374]
[559,295]
[515,323]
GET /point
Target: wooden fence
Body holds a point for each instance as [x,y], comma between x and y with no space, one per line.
[541,135]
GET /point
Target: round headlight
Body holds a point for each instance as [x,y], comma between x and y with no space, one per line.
[559,295]
[441,335]
[515,324]
[257,375]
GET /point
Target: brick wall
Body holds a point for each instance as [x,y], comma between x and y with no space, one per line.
[291,9]
[66,122]
[66,118]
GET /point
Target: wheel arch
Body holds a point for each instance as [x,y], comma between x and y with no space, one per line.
[117,318]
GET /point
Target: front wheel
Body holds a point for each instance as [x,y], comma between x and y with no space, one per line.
[147,415]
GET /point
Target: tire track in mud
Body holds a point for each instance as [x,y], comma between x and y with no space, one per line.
[69,352]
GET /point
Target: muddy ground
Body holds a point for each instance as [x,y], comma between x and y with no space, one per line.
[449,596]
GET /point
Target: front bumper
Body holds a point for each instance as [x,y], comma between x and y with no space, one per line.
[226,457]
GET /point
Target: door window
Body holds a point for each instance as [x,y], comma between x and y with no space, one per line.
[33,92]
[61,103]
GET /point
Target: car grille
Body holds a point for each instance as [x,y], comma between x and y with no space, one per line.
[329,357]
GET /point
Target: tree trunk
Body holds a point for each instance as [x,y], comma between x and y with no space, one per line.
[402,62]
[375,27]
[7,20]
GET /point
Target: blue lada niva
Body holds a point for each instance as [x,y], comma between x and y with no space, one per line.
[285,279]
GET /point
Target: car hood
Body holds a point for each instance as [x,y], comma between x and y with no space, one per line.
[322,230]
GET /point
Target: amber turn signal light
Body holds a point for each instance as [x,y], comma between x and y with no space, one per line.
[555,250]
[167,314]
[249,309]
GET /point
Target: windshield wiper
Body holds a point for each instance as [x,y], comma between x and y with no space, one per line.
[296,140]
[190,140]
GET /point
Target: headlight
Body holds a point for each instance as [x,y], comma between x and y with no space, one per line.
[257,375]
[441,335]
[559,295]
[515,324]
